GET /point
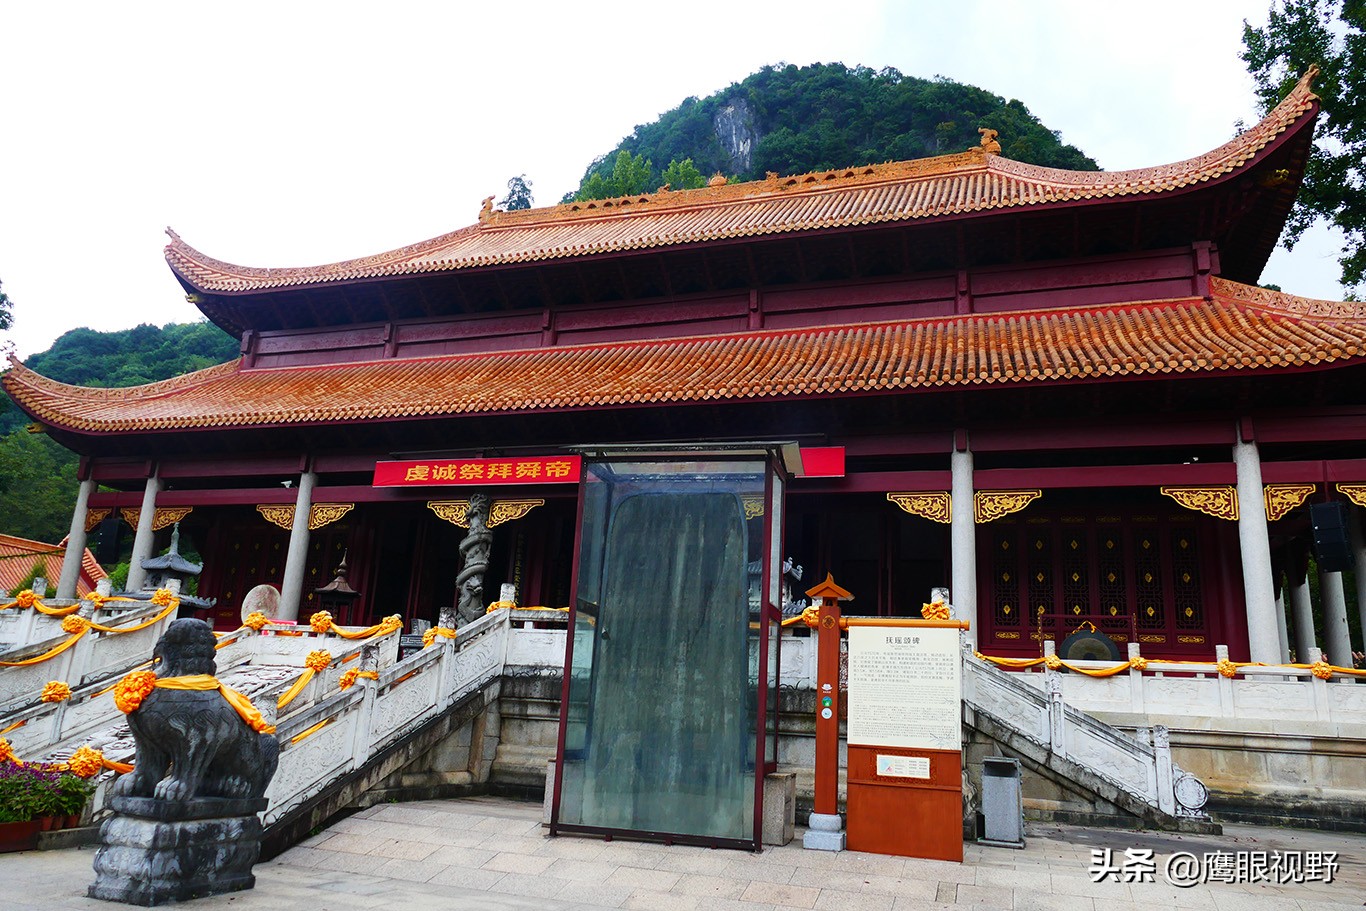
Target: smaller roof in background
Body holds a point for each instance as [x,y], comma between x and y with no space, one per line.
[18,556]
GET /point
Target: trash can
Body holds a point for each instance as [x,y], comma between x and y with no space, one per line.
[1002,803]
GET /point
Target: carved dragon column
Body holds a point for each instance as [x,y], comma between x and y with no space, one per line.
[474,558]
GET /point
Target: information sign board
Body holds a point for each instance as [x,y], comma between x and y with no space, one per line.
[905,688]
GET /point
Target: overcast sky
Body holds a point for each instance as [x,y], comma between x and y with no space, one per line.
[292,134]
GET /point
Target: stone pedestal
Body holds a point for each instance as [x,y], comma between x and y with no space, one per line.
[154,852]
[780,807]
[825,832]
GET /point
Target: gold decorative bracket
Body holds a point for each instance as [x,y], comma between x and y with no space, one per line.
[456,512]
[93,518]
[319,514]
[990,505]
[935,505]
[1354,492]
[754,505]
[1219,501]
[510,510]
[164,517]
[1281,498]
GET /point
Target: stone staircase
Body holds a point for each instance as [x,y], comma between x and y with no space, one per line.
[1131,779]
[432,719]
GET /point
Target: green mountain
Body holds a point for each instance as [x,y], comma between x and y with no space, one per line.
[38,477]
[791,120]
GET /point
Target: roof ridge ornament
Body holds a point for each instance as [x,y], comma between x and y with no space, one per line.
[989,143]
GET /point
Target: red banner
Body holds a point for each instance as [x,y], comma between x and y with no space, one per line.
[563,469]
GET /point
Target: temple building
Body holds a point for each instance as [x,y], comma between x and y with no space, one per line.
[1060,394]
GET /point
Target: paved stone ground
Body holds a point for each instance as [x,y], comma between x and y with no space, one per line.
[490,855]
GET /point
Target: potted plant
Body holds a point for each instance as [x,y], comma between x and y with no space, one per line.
[36,797]
[23,789]
[73,794]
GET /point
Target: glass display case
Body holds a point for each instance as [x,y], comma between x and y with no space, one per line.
[669,713]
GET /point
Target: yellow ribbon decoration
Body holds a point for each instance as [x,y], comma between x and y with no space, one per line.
[322,622]
[76,627]
[51,653]
[349,677]
[430,635]
[130,692]
[318,660]
[84,762]
[512,605]
[240,703]
[309,732]
[174,603]
[29,599]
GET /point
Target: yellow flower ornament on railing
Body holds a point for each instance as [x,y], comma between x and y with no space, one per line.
[75,625]
[6,751]
[26,598]
[1226,668]
[937,610]
[1321,669]
[318,661]
[321,622]
[86,762]
[163,597]
[256,621]
[55,691]
[1052,662]
[390,624]
[1138,663]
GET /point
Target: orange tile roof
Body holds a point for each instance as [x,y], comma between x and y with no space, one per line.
[18,556]
[1238,329]
[972,181]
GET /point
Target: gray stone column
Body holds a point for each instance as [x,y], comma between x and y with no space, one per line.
[1255,544]
[75,542]
[1303,609]
[1337,638]
[292,589]
[1354,525]
[142,541]
[963,541]
[1282,634]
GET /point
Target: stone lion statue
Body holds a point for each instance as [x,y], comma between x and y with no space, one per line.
[192,743]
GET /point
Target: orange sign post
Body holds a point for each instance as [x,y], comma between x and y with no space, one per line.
[824,832]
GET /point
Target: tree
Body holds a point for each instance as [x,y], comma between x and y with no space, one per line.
[631,175]
[519,195]
[1331,34]
[683,175]
[6,309]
